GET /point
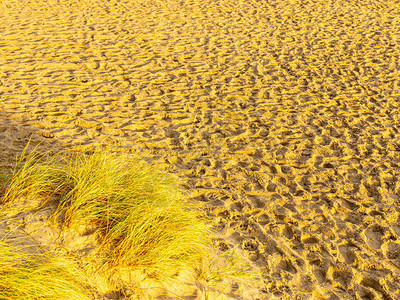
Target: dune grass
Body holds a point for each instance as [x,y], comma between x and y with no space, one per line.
[142,214]
[144,218]
[24,276]
[28,179]
[144,221]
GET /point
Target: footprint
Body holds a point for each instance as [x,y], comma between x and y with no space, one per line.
[341,276]
[309,239]
[366,294]
[250,247]
[373,236]
[374,284]
[287,265]
[222,245]
[392,251]
[320,274]
[288,232]
[346,254]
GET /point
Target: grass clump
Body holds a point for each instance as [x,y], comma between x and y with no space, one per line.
[31,178]
[145,227]
[144,219]
[24,276]
[142,214]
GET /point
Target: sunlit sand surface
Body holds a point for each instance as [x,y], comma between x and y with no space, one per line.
[281,118]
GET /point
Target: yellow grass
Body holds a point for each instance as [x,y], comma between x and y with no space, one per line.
[145,223]
[38,276]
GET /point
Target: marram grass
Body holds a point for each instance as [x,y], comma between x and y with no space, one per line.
[31,178]
[24,276]
[142,214]
[144,222]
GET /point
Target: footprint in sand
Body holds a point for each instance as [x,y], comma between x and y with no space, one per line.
[373,236]
[340,277]
[392,251]
[346,254]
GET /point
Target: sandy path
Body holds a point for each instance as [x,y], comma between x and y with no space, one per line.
[282,117]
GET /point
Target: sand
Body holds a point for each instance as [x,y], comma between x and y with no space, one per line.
[280,117]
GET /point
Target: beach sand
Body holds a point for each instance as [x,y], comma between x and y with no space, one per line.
[281,118]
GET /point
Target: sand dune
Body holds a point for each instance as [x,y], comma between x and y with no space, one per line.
[280,117]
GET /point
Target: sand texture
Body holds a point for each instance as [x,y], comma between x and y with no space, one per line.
[281,118]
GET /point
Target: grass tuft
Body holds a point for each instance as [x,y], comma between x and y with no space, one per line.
[143,221]
[25,276]
[30,178]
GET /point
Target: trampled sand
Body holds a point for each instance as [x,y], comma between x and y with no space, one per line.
[280,117]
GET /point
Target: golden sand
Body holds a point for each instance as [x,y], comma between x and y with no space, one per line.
[280,117]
